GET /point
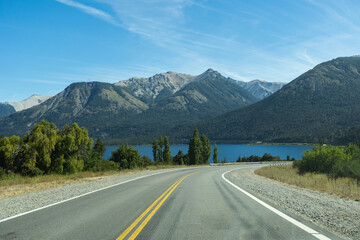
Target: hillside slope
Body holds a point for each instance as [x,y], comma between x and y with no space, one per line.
[93,105]
[312,107]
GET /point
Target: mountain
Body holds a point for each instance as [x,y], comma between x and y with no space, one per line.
[206,96]
[136,108]
[311,107]
[92,105]
[12,107]
[259,88]
[156,87]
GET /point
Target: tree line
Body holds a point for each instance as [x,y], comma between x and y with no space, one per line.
[199,151]
[267,157]
[47,149]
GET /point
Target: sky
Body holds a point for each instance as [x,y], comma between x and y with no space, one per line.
[48,44]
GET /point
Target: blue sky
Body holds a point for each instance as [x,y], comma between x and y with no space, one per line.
[48,44]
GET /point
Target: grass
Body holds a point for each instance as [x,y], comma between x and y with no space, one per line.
[341,187]
[14,184]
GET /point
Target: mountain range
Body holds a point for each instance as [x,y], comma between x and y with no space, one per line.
[12,107]
[321,104]
[137,108]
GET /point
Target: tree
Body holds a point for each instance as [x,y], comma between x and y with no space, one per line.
[167,158]
[215,155]
[9,149]
[179,159]
[145,161]
[160,150]
[155,149]
[99,147]
[74,146]
[42,139]
[194,148]
[205,149]
[126,156]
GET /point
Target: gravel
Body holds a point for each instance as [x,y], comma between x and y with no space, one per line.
[17,204]
[337,215]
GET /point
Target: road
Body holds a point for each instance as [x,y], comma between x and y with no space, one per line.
[183,204]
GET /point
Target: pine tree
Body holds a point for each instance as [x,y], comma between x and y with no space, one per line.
[205,149]
[215,155]
[160,150]
[99,147]
[155,149]
[167,154]
[195,148]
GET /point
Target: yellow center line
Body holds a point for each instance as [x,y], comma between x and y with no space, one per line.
[168,192]
[143,224]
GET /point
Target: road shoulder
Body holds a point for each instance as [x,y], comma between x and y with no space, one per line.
[337,215]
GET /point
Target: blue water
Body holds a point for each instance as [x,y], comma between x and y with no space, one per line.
[230,151]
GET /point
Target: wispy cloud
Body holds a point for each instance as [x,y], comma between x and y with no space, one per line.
[33,80]
[90,10]
[235,47]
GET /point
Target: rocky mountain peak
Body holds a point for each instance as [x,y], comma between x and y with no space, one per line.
[169,82]
[209,74]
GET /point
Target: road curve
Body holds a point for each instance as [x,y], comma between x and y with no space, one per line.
[184,204]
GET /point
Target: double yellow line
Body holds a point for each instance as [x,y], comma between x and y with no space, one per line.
[157,203]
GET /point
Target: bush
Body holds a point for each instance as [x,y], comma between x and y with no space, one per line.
[145,162]
[126,156]
[333,161]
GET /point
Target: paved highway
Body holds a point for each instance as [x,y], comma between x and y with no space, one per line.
[182,204]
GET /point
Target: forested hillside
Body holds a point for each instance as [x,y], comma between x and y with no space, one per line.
[315,105]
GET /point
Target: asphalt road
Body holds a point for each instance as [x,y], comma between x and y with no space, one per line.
[184,204]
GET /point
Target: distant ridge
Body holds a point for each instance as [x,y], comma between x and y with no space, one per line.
[8,108]
[260,88]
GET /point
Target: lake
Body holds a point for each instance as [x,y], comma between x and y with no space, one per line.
[229,151]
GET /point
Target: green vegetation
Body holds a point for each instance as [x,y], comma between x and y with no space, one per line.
[161,151]
[215,155]
[342,186]
[99,147]
[267,157]
[126,157]
[328,169]
[181,159]
[333,161]
[199,149]
[47,150]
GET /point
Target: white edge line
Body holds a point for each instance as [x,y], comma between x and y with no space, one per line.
[72,198]
[281,214]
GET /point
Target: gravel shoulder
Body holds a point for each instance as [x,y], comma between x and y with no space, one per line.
[337,215]
[10,206]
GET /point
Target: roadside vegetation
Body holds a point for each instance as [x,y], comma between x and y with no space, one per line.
[325,168]
[48,157]
[267,157]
